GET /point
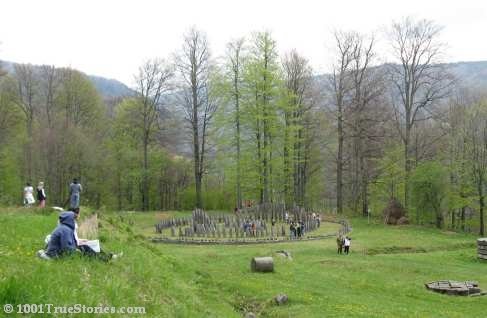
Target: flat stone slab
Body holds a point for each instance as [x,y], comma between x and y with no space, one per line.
[450,287]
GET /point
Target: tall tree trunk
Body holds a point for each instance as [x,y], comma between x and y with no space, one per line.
[265,162]
[196,145]
[297,167]
[407,163]
[260,161]
[29,156]
[119,189]
[237,123]
[287,163]
[339,185]
[365,185]
[462,218]
[239,185]
[481,204]
[145,180]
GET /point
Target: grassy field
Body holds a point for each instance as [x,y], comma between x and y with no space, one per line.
[383,277]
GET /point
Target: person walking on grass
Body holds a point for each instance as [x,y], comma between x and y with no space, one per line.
[41,195]
[340,243]
[75,189]
[347,243]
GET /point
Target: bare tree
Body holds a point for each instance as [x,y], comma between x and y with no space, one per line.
[418,79]
[9,116]
[49,83]
[366,118]
[153,80]
[341,86]
[477,153]
[26,88]
[193,64]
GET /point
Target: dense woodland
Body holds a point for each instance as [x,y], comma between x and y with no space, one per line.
[258,125]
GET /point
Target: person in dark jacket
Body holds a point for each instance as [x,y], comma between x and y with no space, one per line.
[298,229]
[62,239]
[41,195]
[340,243]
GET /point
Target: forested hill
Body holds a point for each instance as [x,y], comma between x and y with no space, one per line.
[472,75]
[469,74]
[108,88]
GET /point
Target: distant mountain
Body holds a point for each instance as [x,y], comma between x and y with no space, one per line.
[108,88]
[470,74]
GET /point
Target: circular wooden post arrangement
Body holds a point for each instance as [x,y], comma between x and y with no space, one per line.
[262,264]
[263,223]
[482,248]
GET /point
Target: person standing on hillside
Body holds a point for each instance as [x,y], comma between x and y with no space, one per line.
[75,189]
[28,195]
[41,195]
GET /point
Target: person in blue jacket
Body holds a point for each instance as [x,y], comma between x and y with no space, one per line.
[62,239]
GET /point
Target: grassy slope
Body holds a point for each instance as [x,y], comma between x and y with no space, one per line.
[215,281]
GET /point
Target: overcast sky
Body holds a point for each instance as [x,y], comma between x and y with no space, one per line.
[111,38]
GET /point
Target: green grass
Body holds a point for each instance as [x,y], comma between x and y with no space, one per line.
[383,277]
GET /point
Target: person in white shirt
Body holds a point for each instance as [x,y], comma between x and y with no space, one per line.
[347,244]
[29,195]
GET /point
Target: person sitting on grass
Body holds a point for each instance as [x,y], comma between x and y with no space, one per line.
[69,229]
[62,240]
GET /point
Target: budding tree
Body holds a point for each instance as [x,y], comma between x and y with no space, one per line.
[418,79]
[193,64]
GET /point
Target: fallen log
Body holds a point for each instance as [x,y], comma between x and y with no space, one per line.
[262,264]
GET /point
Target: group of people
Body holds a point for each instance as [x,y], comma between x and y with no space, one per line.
[29,199]
[75,189]
[296,229]
[314,216]
[250,227]
[64,240]
[343,244]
